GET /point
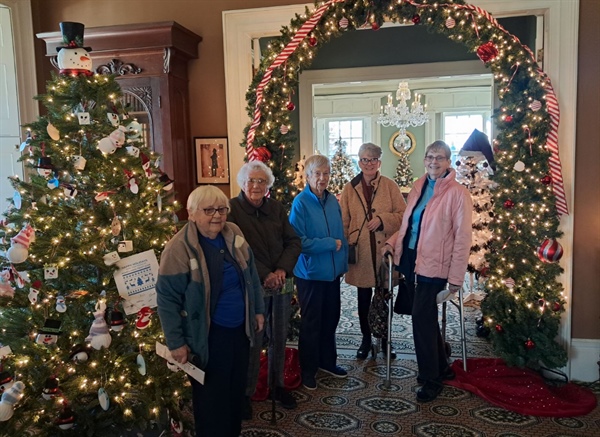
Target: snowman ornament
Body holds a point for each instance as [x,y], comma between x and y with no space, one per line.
[73,59]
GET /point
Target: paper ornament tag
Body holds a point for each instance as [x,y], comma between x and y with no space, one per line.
[133,151]
[115,226]
[113,118]
[103,399]
[84,118]
[125,246]
[79,162]
[141,363]
[50,271]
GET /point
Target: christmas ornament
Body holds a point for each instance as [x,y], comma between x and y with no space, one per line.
[508,204]
[134,129]
[530,344]
[83,118]
[61,305]
[111,258]
[263,154]
[510,283]
[416,19]
[176,426]
[6,288]
[73,59]
[33,295]
[99,336]
[546,180]
[118,136]
[17,200]
[53,183]
[115,226]
[48,334]
[107,146]
[146,165]
[312,41]
[69,191]
[499,328]
[549,251]
[103,399]
[6,381]
[172,367]
[141,363]
[143,320]
[284,129]
[80,353]
[166,181]
[50,271]
[66,419]
[450,23]
[508,118]
[290,106]
[133,151]
[53,132]
[117,320]
[487,52]
[536,105]
[25,143]
[9,398]
[50,389]
[113,118]
[343,23]
[125,246]
[44,166]
[519,166]
[556,307]
[374,26]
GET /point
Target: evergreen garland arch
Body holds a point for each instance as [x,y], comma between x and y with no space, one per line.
[524,298]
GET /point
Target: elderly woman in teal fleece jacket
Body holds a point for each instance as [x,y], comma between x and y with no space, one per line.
[210,303]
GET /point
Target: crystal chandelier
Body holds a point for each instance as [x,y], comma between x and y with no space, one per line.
[399,115]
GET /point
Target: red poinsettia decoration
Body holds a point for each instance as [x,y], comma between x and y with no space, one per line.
[487,52]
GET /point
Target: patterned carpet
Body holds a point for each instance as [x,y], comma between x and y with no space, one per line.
[361,405]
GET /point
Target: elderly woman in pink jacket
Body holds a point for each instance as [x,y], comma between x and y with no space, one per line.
[432,249]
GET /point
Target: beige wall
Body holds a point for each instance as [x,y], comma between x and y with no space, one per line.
[208,118]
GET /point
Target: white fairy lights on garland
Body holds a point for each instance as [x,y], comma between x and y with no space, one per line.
[525,317]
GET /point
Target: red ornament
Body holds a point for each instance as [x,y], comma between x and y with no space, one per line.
[499,328]
[374,25]
[487,52]
[416,19]
[541,302]
[546,180]
[312,41]
[529,344]
[508,118]
[549,251]
[290,106]
[556,307]
[263,153]
[509,204]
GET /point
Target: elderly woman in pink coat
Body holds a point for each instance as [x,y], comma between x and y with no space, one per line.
[432,249]
[372,208]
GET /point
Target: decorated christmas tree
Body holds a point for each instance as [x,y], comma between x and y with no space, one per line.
[404,173]
[80,243]
[342,168]
[525,299]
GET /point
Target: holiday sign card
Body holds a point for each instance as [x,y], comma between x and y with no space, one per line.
[136,281]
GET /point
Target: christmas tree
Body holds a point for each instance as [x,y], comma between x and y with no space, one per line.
[473,171]
[81,240]
[404,173]
[342,168]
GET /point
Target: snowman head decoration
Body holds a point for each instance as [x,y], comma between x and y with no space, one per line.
[73,58]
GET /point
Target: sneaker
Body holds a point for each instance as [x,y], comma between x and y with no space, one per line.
[429,391]
[285,398]
[365,348]
[246,408]
[337,371]
[309,382]
[446,375]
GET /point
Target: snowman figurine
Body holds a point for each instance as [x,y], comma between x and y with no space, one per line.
[73,59]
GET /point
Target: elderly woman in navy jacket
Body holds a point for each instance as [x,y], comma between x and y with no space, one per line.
[317,218]
[210,303]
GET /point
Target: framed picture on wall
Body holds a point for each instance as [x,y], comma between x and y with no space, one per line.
[212,160]
[405,143]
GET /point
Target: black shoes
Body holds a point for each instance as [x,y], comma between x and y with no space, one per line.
[285,398]
[384,349]
[429,391]
[246,408]
[446,375]
[365,348]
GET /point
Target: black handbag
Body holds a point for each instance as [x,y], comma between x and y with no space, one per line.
[404,298]
[378,313]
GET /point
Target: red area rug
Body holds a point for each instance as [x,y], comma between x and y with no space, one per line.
[521,390]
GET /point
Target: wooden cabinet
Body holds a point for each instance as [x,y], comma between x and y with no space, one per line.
[150,61]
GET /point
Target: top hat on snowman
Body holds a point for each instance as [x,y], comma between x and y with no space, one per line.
[73,58]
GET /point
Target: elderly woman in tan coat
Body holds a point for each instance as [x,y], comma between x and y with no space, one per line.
[372,208]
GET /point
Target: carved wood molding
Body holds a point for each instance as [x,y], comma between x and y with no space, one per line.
[116,66]
[144,93]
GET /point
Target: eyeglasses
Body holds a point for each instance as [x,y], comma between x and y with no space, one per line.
[369,161]
[438,158]
[223,210]
[256,181]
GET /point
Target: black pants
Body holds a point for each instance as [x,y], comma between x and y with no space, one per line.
[429,345]
[218,403]
[364,303]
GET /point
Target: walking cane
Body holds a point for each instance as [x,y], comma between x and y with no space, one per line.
[388,360]
[269,362]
